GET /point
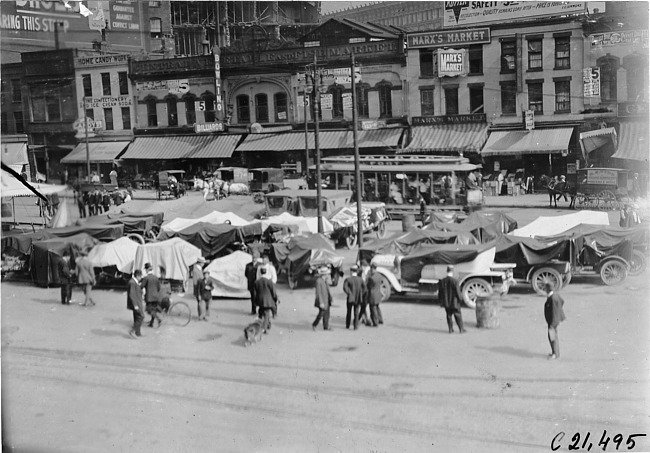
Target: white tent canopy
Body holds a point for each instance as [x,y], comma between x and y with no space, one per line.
[12,187]
[120,253]
[550,226]
[229,276]
[215,218]
[304,224]
[175,254]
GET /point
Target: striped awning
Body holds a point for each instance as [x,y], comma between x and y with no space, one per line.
[448,138]
[596,139]
[536,141]
[295,141]
[100,152]
[217,147]
[171,147]
[633,141]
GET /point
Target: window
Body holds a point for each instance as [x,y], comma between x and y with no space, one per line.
[87,84]
[534,54]
[210,113]
[476,59]
[18,121]
[337,101]
[385,101]
[636,72]
[243,109]
[4,122]
[190,111]
[508,56]
[476,99]
[90,114]
[362,100]
[153,4]
[426,63]
[508,98]
[535,97]
[280,101]
[426,102]
[126,118]
[563,52]
[152,115]
[261,108]
[124,83]
[608,68]
[51,103]
[563,96]
[155,27]
[16,91]
[451,100]
[106,84]
[172,111]
[108,119]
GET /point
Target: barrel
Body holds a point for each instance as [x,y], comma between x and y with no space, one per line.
[408,222]
[487,311]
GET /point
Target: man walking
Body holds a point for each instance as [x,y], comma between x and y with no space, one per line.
[266,299]
[134,302]
[270,269]
[365,275]
[374,298]
[251,276]
[554,314]
[450,297]
[323,299]
[86,278]
[354,288]
[151,286]
[205,291]
[65,276]
[197,275]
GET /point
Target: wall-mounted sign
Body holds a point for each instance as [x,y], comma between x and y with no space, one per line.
[326,101]
[341,75]
[448,38]
[109,101]
[452,62]
[199,105]
[529,119]
[448,119]
[180,86]
[217,83]
[620,38]
[571,169]
[626,109]
[202,64]
[347,101]
[81,124]
[591,82]
[459,14]
[125,15]
[604,177]
[372,125]
[203,128]
[100,60]
[303,101]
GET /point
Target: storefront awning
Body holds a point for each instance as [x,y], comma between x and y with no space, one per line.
[448,138]
[14,154]
[593,140]
[633,142]
[100,152]
[182,147]
[295,141]
[537,141]
[217,147]
[11,187]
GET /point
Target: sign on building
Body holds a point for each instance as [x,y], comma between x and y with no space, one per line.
[347,101]
[369,125]
[109,101]
[637,38]
[326,101]
[452,62]
[303,101]
[208,127]
[448,38]
[529,119]
[217,82]
[604,177]
[341,75]
[460,14]
[199,105]
[591,82]
[81,124]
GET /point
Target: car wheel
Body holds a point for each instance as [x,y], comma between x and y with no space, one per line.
[381,230]
[473,288]
[638,263]
[543,276]
[385,288]
[613,272]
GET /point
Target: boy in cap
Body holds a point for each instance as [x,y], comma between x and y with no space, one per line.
[151,285]
[450,298]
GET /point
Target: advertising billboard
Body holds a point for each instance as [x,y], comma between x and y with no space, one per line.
[459,14]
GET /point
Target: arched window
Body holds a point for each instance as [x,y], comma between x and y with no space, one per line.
[362,100]
[190,109]
[385,100]
[209,113]
[261,108]
[172,110]
[152,115]
[243,109]
[337,101]
[608,68]
[636,69]
[280,102]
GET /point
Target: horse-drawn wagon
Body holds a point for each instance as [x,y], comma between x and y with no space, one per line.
[602,188]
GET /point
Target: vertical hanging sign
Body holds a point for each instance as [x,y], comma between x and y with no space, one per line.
[217,83]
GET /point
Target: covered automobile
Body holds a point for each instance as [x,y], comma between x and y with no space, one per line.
[304,224]
[46,254]
[551,226]
[157,217]
[22,242]
[228,275]
[176,255]
[119,253]
[209,238]
[215,217]
[132,224]
[101,232]
[485,226]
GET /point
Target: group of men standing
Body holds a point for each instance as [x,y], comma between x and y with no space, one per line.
[83,270]
[262,277]
[93,203]
[157,297]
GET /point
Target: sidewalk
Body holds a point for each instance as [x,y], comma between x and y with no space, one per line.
[537,200]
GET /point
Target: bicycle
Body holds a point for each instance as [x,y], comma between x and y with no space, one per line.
[178,313]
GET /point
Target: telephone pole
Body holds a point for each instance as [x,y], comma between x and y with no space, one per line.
[357,170]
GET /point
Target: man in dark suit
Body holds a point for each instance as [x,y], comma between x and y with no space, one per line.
[554,314]
[323,299]
[151,285]
[374,296]
[205,290]
[65,275]
[251,276]
[86,278]
[355,289]
[266,299]
[134,302]
[450,298]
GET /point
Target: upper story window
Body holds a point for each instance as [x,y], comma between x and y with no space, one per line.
[51,103]
[476,59]
[535,54]
[337,101]
[362,100]
[451,100]
[124,82]
[126,118]
[155,27]
[210,113]
[508,56]
[243,109]
[190,110]
[16,91]
[426,102]
[636,74]
[476,99]
[152,114]
[608,80]
[261,108]
[172,111]
[536,97]
[108,119]
[106,83]
[280,102]
[563,52]
[385,100]
[563,96]
[426,63]
[87,85]
[508,98]
[153,4]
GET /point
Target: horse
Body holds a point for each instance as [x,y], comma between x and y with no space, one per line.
[556,190]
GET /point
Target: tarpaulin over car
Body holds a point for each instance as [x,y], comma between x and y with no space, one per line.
[215,218]
[45,256]
[22,243]
[525,251]
[132,224]
[104,233]
[119,253]
[551,226]
[303,252]
[304,224]
[176,255]
[210,239]
[406,243]
[228,274]
[485,226]
[157,217]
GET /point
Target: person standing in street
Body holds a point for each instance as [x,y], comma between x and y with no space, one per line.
[374,296]
[80,204]
[165,293]
[134,303]
[205,291]
[323,299]
[450,297]
[554,314]
[113,176]
[151,286]
[251,277]
[270,269]
[197,275]
[266,299]
[65,276]
[354,288]
[86,278]
[365,275]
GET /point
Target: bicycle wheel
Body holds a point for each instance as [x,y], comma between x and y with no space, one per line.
[179,314]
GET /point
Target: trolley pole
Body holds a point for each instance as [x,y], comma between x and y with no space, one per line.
[316,145]
[357,170]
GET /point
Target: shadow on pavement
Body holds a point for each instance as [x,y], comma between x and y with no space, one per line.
[509,350]
[110,333]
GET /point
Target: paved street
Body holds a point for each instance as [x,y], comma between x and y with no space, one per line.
[73,380]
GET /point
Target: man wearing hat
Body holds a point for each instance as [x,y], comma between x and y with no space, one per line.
[364,273]
[323,299]
[251,275]
[86,278]
[354,288]
[151,286]
[197,275]
[450,298]
[554,314]
[266,299]
[374,296]
[271,273]
[205,291]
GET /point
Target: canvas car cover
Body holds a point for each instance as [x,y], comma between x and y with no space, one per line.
[176,255]
[485,226]
[46,254]
[157,217]
[303,252]
[304,224]
[228,275]
[215,217]
[132,224]
[104,233]
[552,226]
[22,243]
[210,239]
[119,253]
[525,251]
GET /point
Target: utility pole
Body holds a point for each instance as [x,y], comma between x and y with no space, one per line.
[316,144]
[87,146]
[307,89]
[357,170]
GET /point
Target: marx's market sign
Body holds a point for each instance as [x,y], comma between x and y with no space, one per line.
[448,119]
[446,38]
[459,14]
[452,62]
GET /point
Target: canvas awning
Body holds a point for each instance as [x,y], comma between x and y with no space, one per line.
[182,147]
[537,141]
[295,141]
[593,140]
[10,186]
[216,147]
[100,152]
[633,142]
[458,138]
[15,155]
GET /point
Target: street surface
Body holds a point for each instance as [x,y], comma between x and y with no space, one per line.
[74,381]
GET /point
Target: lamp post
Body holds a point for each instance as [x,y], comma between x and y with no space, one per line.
[307,89]
[357,170]
[86,138]
[317,89]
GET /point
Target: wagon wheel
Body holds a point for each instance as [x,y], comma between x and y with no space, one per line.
[582,201]
[351,241]
[381,230]
[638,263]
[385,289]
[258,197]
[593,201]
[613,272]
[543,276]
[149,236]
[136,237]
[608,200]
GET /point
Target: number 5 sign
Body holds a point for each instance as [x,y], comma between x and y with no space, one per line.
[199,105]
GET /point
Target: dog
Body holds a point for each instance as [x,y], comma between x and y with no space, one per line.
[253,332]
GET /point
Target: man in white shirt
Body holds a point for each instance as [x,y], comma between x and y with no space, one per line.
[271,274]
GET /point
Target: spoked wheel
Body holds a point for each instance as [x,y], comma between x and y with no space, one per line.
[385,289]
[608,200]
[543,276]
[381,230]
[351,241]
[582,201]
[593,202]
[473,289]
[179,314]
[613,272]
[638,263]
[136,237]
[149,236]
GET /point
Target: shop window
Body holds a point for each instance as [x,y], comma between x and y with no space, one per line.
[172,111]
[16,91]
[476,59]
[534,54]
[152,115]
[106,83]
[337,101]
[87,84]
[535,97]
[280,103]
[563,52]
[426,63]
[155,27]
[508,98]
[508,56]
[476,99]
[385,101]
[608,80]
[563,96]
[90,114]
[243,109]
[126,118]
[261,108]
[362,100]
[190,111]
[426,102]
[451,100]
[124,83]
[19,122]
[108,119]
[4,126]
